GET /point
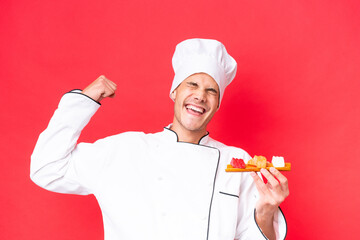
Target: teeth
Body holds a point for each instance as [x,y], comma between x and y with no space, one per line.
[196,109]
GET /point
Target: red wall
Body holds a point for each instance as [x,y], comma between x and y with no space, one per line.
[296,94]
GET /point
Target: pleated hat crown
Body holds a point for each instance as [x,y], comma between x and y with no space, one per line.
[203,56]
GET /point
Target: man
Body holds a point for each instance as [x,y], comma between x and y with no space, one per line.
[166,185]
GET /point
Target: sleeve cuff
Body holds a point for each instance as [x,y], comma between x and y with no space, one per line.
[76,109]
[280,225]
[79,91]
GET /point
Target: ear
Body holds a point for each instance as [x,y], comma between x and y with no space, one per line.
[173,95]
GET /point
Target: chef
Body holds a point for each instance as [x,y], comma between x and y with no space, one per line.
[169,185]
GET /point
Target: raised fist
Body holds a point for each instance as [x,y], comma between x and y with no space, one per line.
[100,89]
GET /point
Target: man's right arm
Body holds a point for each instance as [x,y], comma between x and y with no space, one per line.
[57,163]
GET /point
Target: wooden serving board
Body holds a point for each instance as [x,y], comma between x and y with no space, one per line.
[255,169]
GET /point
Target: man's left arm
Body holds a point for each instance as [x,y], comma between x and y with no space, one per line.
[271,195]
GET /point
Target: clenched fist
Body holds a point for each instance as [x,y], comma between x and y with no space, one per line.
[100,89]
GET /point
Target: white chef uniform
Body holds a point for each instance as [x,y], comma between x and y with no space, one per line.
[149,186]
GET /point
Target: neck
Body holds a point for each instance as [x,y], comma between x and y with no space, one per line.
[189,136]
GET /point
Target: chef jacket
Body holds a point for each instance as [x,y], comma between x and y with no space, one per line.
[149,186]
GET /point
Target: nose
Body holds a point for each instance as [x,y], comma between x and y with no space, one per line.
[200,95]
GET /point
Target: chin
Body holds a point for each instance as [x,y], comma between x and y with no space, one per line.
[194,127]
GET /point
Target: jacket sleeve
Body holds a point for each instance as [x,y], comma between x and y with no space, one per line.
[247,228]
[58,164]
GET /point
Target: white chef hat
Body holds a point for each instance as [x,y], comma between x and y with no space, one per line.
[203,56]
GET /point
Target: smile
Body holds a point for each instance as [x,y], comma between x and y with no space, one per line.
[195,109]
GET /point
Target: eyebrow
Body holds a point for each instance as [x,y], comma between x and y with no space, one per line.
[192,83]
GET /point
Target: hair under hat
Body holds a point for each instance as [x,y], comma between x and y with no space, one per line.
[203,56]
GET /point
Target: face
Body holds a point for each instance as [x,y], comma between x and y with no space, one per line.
[196,101]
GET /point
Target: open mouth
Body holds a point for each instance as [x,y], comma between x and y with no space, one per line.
[195,109]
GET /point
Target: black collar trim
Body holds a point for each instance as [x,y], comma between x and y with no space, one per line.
[177,137]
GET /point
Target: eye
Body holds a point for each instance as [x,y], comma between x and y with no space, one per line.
[212,91]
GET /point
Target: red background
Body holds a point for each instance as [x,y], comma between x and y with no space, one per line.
[296,94]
